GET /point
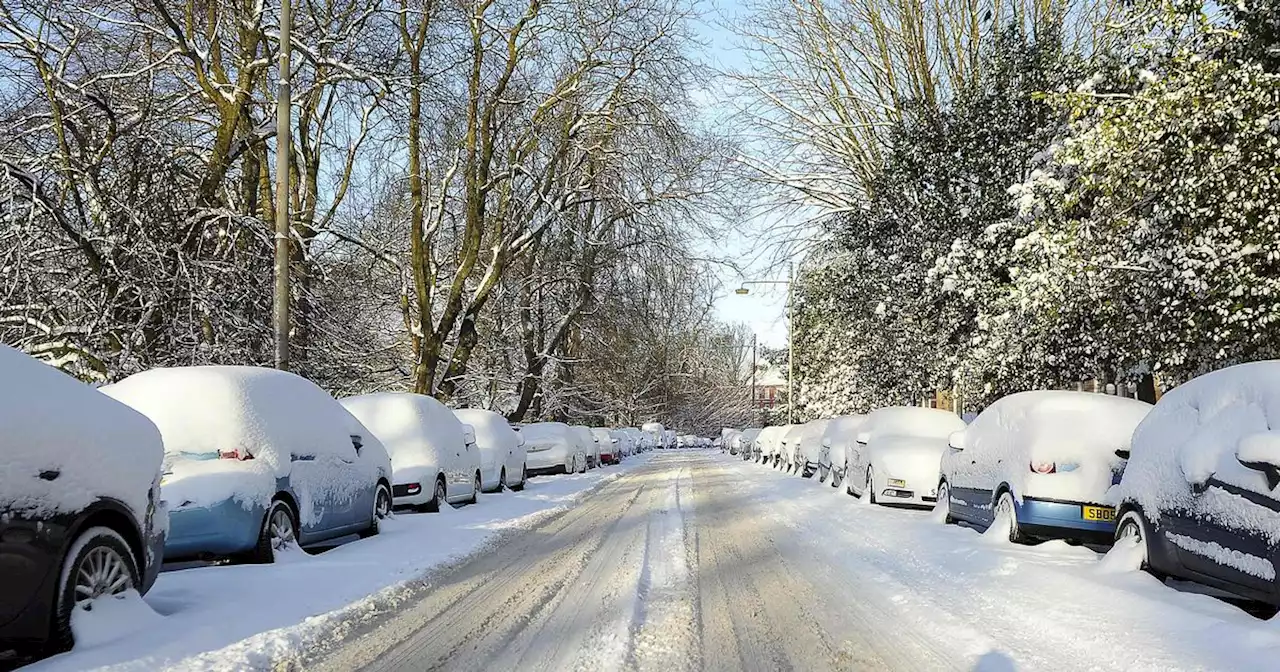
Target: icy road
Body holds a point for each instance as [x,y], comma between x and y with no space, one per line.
[701,561]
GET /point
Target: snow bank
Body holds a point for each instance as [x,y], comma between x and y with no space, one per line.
[1077,432]
[1199,430]
[53,423]
[417,430]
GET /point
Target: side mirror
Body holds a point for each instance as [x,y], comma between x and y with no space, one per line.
[956,441]
[1122,453]
[826,442]
[358,442]
[1261,452]
[864,437]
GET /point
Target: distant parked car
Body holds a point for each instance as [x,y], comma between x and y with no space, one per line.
[607,444]
[502,455]
[808,449]
[1041,463]
[1200,495]
[590,444]
[838,438]
[625,442]
[898,454]
[553,448]
[434,457]
[789,447]
[256,460]
[747,443]
[770,444]
[80,515]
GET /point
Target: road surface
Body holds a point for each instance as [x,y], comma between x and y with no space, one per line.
[673,566]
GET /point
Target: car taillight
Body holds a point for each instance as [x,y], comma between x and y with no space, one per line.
[234,455]
[413,489]
[1044,467]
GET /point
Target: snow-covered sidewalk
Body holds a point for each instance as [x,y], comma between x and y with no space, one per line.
[1001,606]
[245,617]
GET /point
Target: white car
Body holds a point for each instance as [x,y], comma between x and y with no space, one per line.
[590,444]
[747,443]
[1041,464]
[808,448]
[502,453]
[898,455]
[769,443]
[433,455]
[839,437]
[789,445]
[626,445]
[553,448]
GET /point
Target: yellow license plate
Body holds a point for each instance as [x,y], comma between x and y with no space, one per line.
[1103,514]
[897,483]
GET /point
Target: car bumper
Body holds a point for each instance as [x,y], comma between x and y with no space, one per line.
[225,528]
[400,494]
[906,492]
[546,460]
[155,556]
[1062,519]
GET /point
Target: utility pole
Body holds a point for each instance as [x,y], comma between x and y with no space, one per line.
[791,346]
[280,308]
[753,378]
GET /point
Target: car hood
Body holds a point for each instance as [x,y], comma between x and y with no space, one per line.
[904,456]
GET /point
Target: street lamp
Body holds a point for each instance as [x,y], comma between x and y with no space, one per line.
[742,290]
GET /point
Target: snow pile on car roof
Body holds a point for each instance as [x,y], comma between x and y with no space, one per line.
[416,429]
[493,432]
[929,423]
[64,444]
[1201,430]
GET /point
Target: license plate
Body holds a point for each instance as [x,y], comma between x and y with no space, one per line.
[1102,514]
[897,483]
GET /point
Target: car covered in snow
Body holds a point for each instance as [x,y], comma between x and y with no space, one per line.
[897,454]
[625,442]
[769,444]
[434,456]
[788,450]
[553,448]
[256,460]
[501,448]
[808,448]
[590,444]
[1041,463]
[607,444]
[838,438]
[746,440]
[80,514]
[1200,495]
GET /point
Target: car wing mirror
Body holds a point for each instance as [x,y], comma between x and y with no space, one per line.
[863,438]
[357,442]
[956,441]
[826,442]
[1261,453]
[1122,453]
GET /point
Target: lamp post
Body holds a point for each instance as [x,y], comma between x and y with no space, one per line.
[791,348]
[280,307]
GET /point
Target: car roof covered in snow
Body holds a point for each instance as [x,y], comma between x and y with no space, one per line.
[1060,424]
[912,421]
[415,428]
[53,423]
[270,413]
[491,429]
[1195,432]
[843,429]
[546,432]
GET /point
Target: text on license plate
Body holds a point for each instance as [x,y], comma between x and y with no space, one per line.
[897,483]
[1103,514]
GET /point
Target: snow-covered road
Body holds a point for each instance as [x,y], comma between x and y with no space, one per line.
[701,561]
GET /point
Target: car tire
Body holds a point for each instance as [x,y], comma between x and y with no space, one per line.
[502,480]
[279,529]
[1133,523]
[523,475]
[105,548]
[869,490]
[439,498]
[1005,502]
[475,489]
[944,500]
[381,509]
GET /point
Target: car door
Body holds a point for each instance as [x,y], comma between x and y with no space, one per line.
[322,483]
[857,457]
[1207,546]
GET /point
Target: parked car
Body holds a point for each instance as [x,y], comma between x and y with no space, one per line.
[434,457]
[788,448]
[898,453]
[590,445]
[80,514]
[747,449]
[502,456]
[838,438]
[1200,495]
[770,444]
[607,444]
[1041,463]
[808,448]
[625,442]
[553,447]
[256,460]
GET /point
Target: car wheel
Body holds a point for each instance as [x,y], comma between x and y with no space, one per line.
[1133,526]
[475,489]
[440,498]
[502,480]
[582,465]
[944,503]
[98,565]
[520,486]
[1005,506]
[869,491]
[381,509]
[279,530]
[836,478]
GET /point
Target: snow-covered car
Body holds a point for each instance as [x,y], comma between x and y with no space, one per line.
[80,519]
[748,449]
[808,448]
[1041,463]
[607,444]
[256,460]
[502,454]
[839,437]
[434,457]
[769,444]
[590,444]
[553,448]
[789,444]
[1200,496]
[625,442]
[657,434]
[898,454]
